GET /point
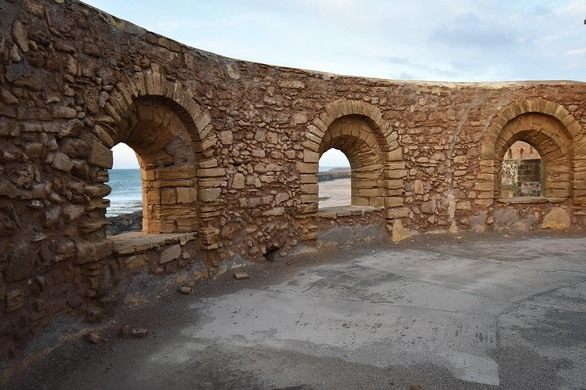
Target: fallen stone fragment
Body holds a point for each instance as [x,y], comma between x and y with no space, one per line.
[137,333]
[241,275]
[93,337]
[185,290]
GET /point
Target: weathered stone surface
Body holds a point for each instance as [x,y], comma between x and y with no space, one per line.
[100,156]
[64,112]
[8,223]
[238,181]
[170,254]
[20,35]
[399,233]
[20,266]
[14,300]
[557,219]
[62,162]
[88,252]
[226,137]
[186,195]
[209,194]
[234,147]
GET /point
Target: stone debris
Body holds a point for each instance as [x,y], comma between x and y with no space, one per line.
[93,337]
[185,290]
[241,275]
[128,331]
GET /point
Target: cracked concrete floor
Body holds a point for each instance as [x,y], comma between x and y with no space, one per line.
[480,312]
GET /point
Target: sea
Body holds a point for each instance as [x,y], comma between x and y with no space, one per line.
[126,195]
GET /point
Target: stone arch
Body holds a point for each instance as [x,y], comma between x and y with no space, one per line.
[353,136]
[167,161]
[171,134]
[151,83]
[358,129]
[556,135]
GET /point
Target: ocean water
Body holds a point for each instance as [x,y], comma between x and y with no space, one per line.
[126,195]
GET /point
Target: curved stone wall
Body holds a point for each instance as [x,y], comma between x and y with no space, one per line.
[229,152]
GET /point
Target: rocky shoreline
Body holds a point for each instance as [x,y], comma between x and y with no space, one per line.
[124,223]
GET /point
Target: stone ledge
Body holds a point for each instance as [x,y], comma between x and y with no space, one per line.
[136,242]
[530,200]
[346,211]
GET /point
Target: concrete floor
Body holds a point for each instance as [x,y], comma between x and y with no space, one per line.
[478,312]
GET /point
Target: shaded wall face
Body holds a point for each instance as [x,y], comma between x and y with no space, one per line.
[229,151]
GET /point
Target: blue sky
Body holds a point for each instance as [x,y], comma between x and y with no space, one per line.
[447,40]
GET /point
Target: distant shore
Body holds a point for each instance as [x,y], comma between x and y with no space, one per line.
[333,174]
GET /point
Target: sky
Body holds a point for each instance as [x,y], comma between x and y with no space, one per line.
[441,40]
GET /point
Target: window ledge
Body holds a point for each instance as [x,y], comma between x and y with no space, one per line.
[530,200]
[134,242]
[346,211]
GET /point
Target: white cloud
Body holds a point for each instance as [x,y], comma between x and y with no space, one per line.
[577,52]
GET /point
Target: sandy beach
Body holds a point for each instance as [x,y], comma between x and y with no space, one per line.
[335,193]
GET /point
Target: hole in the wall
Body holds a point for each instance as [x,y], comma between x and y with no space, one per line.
[125,211]
[334,179]
[521,171]
[271,253]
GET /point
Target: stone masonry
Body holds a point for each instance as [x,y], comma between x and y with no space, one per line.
[229,155]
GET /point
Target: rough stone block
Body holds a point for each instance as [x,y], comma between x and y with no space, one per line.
[394,201]
[303,167]
[186,195]
[397,212]
[211,172]
[557,219]
[89,252]
[274,212]
[310,156]
[62,162]
[238,181]
[168,196]
[209,194]
[100,156]
[14,300]
[395,155]
[169,254]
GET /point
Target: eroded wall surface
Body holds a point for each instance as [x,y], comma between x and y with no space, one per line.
[229,153]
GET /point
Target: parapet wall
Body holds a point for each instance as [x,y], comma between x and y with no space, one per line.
[229,155]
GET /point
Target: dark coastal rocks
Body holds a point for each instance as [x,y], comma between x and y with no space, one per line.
[125,223]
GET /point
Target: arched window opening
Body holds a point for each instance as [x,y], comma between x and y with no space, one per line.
[125,211]
[334,180]
[353,136]
[522,172]
[155,130]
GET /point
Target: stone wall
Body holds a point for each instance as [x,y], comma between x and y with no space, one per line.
[229,152]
